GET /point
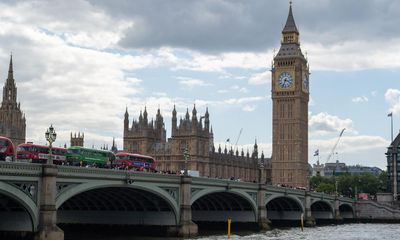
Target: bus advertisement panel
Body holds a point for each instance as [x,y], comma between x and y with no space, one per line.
[33,153]
[7,151]
[80,156]
[133,160]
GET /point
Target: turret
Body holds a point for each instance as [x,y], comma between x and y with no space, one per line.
[187,114]
[207,120]
[126,121]
[194,113]
[140,117]
[174,121]
[9,89]
[255,149]
[145,116]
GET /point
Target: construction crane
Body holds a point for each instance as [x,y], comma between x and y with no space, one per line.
[334,147]
[238,137]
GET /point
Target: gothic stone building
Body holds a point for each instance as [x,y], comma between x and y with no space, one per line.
[77,140]
[196,137]
[12,119]
[290,96]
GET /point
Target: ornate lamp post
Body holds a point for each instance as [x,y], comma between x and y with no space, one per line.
[51,136]
[47,227]
[186,156]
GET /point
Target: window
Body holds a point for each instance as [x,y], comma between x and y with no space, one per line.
[282,110]
[290,109]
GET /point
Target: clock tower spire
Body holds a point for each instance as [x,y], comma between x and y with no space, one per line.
[290,96]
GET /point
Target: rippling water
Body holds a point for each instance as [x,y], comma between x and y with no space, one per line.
[333,232]
[337,232]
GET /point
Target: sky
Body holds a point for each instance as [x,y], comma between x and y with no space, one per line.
[79,64]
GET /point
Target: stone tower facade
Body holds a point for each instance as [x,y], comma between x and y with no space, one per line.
[143,135]
[290,96]
[77,140]
[12,119]
[191,134]
[194,133]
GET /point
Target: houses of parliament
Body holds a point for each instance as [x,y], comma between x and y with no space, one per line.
[193,134]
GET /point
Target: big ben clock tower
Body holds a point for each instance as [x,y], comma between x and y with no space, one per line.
[290,95]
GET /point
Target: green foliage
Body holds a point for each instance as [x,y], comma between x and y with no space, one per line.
[326,188]
[349,185]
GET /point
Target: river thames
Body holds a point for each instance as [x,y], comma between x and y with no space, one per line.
[336,232]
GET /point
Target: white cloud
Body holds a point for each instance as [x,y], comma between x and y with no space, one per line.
[392,96]
[218,63]
[249,108]
[239,89]
[133,81]
[191,82]
[160,94]
[222,91]
[243,100]
[260,78]
[364,54]
[360,99]
[323,124]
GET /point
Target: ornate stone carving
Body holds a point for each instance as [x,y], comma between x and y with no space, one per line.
[63,186]
[193,191]
[253,195]
[173,192]
[29,188]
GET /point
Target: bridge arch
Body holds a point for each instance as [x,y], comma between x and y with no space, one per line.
[217,205]
[346,210]
[131,201]
[26,219]
[284,208]
[322,209]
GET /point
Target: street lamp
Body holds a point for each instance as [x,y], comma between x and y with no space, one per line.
[186,156]
[51,136]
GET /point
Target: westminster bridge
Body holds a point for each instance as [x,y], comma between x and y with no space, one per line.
[36,197]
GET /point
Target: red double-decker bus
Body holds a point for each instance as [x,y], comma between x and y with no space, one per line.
[7,151]
[133,160]
[33,153]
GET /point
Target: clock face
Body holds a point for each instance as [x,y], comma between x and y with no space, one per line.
[285,80]
[306,82]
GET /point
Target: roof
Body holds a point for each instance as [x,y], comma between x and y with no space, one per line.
[290,25]
[395,144]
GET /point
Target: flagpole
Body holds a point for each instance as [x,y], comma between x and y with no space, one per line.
[391,118]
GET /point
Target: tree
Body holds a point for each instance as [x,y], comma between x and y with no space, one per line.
[383,179]
[348,185]
[326,188]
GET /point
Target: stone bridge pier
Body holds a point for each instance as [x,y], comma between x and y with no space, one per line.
[47,228]
[186,228]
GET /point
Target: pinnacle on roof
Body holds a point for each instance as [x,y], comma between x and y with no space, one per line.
[290,25]
[187,113]
[10,69]
[145,112]
[126,112]
[194,111]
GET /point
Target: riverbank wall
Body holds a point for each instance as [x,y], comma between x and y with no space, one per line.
[371,211]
